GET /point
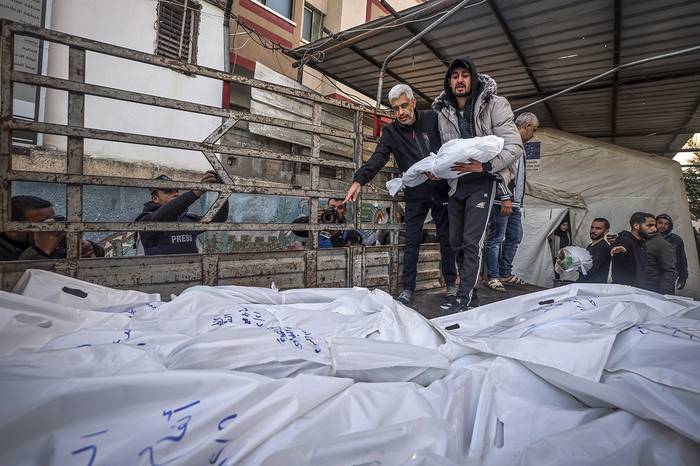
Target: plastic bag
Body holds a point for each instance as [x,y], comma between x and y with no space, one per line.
[480,149]
[574,258]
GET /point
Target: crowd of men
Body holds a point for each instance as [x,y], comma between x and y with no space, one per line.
[477,217]
[648,256]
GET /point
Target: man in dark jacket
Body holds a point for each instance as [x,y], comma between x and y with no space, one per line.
[660,268]
[664,224]
[167,205]
[600,252]
[38,245]
[628,251]
[412,137]
[470,107]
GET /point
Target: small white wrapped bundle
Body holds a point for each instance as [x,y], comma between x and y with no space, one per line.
[574,258]
[480,149]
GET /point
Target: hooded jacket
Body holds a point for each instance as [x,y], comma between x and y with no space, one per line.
[677,242]
[489,114]
[660,267]
[628,267]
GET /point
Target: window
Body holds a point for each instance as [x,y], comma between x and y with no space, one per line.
[178,27]
[313,24]
[283,7]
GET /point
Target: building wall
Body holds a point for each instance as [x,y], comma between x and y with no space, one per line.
[339,15]
[131,23]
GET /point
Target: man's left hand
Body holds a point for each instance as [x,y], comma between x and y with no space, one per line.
[87,249]
[680,284]
[473,166]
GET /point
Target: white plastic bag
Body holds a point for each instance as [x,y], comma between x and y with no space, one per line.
[574,258]
[480,149]
[79,294]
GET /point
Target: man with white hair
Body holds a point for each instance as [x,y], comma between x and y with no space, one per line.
[505,224]
[411,137]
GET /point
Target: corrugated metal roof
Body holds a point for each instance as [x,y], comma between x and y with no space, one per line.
[536,48]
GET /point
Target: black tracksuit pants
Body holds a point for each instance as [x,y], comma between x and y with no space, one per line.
[469,210]
[416,211]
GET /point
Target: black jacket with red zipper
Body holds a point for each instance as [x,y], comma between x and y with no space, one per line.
[408,144]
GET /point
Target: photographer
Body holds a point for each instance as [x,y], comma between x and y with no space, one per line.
[167,205]
[334,213]
[38,245]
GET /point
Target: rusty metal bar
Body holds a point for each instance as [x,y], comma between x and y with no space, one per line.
[215,208]
[210,269]
[74,151]
[311,257]
[166,102]
[166,226]
[356,265]
[134,55]
[357,159]
[118,136]
[7,54]
[219,132]
[239,185]
[218,167]
[315,174]
[72,227]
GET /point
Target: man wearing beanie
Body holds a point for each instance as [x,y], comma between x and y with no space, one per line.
[664,224]
[469,107]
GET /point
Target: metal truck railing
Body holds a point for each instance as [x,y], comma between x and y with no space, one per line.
[377,266]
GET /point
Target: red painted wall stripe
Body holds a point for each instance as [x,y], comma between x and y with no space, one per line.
[337,96]
[264,32]
[226,95]
[266,14]
[243,62]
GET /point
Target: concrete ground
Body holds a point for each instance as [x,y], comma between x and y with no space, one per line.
[427,302]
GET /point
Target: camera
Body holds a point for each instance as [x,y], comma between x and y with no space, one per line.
[330,215]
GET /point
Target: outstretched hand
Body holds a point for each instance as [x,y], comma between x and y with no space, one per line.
[353,192]
[618,250]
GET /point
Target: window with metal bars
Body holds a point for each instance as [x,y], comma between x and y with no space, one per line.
[177,29]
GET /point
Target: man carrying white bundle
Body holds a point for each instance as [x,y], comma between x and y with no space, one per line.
[469,107]
[410,138]
[441,165]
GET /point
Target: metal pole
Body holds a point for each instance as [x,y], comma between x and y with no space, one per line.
[7,52]
[611,71]
[415,38]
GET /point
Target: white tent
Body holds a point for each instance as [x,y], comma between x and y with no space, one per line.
[588,179]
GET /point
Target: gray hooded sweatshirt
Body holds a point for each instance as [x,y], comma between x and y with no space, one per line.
[490,115]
